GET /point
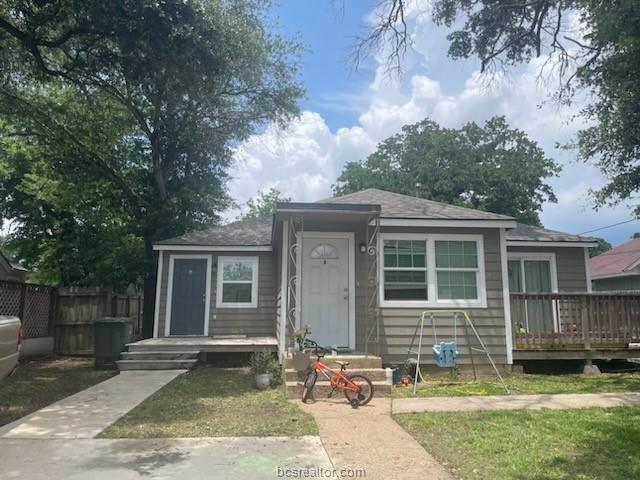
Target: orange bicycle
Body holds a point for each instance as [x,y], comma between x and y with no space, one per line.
[358,389]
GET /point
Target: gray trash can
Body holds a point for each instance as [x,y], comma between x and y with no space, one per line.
[111,336]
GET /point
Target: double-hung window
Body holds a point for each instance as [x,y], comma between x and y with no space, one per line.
[405,270]
[237,282]
[432,270]
[457,269]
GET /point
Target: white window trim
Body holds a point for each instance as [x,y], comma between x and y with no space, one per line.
[254,282]
[432,290]
[551,258]
[207,306]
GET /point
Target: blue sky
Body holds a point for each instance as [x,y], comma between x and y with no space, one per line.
[346,113]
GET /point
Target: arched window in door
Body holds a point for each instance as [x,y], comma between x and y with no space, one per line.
[324,251]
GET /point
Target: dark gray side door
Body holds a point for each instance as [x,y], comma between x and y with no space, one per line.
[188,296]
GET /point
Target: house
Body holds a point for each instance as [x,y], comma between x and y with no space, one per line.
[11,270]
[617,269]
[360,269]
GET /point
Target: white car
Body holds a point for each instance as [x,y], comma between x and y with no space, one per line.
[11,336]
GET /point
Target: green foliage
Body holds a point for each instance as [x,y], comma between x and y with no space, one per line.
[118,121]
[491,167]
[602,247]
[264,204]
[605,64]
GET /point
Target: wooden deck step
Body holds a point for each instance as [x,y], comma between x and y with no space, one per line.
[156,364]
[355,361]
[160,355]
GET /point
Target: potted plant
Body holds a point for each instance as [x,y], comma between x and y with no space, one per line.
[263,365]
[405,373]
[301,359]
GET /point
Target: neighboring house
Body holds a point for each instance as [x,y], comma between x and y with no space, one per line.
[360,268]
[617,269]
[11,270]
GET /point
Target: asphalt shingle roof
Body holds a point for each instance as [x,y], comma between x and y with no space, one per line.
[242,233]
[396,205]
[528,233]
[393,205]
[617,260]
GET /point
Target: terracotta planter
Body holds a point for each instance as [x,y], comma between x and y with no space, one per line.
[301,361]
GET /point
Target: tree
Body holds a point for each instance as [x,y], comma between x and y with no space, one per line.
[601,60]
[264,204]
[119,118]
[602,247]
[493,168]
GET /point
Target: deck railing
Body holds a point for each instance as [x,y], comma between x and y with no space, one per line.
[575,320]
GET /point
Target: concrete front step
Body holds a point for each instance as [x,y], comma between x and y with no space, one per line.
[163,355]
[373,374]
[293,390]
[156,364]
[355,361]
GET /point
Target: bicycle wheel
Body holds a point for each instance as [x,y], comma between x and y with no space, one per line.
[365,394]
[309,383]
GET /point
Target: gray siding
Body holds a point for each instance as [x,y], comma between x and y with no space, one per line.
[572,276]
[626,283]
[398,324]
[259,321]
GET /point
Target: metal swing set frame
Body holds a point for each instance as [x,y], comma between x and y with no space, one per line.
[457,314]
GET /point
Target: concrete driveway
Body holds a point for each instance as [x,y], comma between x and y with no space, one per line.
[187,458]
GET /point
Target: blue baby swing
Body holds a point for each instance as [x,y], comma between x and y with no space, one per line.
[445,354]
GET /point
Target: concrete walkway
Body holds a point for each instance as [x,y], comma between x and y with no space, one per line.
[368,438]
[235,458]
[515,402]
[87,413]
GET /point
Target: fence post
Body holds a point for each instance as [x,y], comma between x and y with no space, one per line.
[584,319]
[23,297]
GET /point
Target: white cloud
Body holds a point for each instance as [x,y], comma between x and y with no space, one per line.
[304,159]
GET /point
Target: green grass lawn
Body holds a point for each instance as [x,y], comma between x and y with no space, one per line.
[38,383]
[527,384]
[589,444]
[214,402]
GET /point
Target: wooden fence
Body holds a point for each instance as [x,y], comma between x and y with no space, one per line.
[68,314]
[575,320]
[79,308]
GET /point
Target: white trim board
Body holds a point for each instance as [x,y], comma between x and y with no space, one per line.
[517,243]
[169,300]
[506,296]
[284,294]
[417,222]
[350,236]
[156,313]
[433,302]
[214,248]
[254,282]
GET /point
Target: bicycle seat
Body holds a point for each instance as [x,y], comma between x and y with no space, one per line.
[342,364]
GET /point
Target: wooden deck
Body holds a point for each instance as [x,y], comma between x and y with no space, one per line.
[207,344]
[576,325]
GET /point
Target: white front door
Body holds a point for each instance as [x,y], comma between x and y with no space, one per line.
[325,289]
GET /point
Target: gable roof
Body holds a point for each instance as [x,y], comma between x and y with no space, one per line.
[619,260]
[245,233]
[397,205]
[10,264]
[258,232]
[529,233]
